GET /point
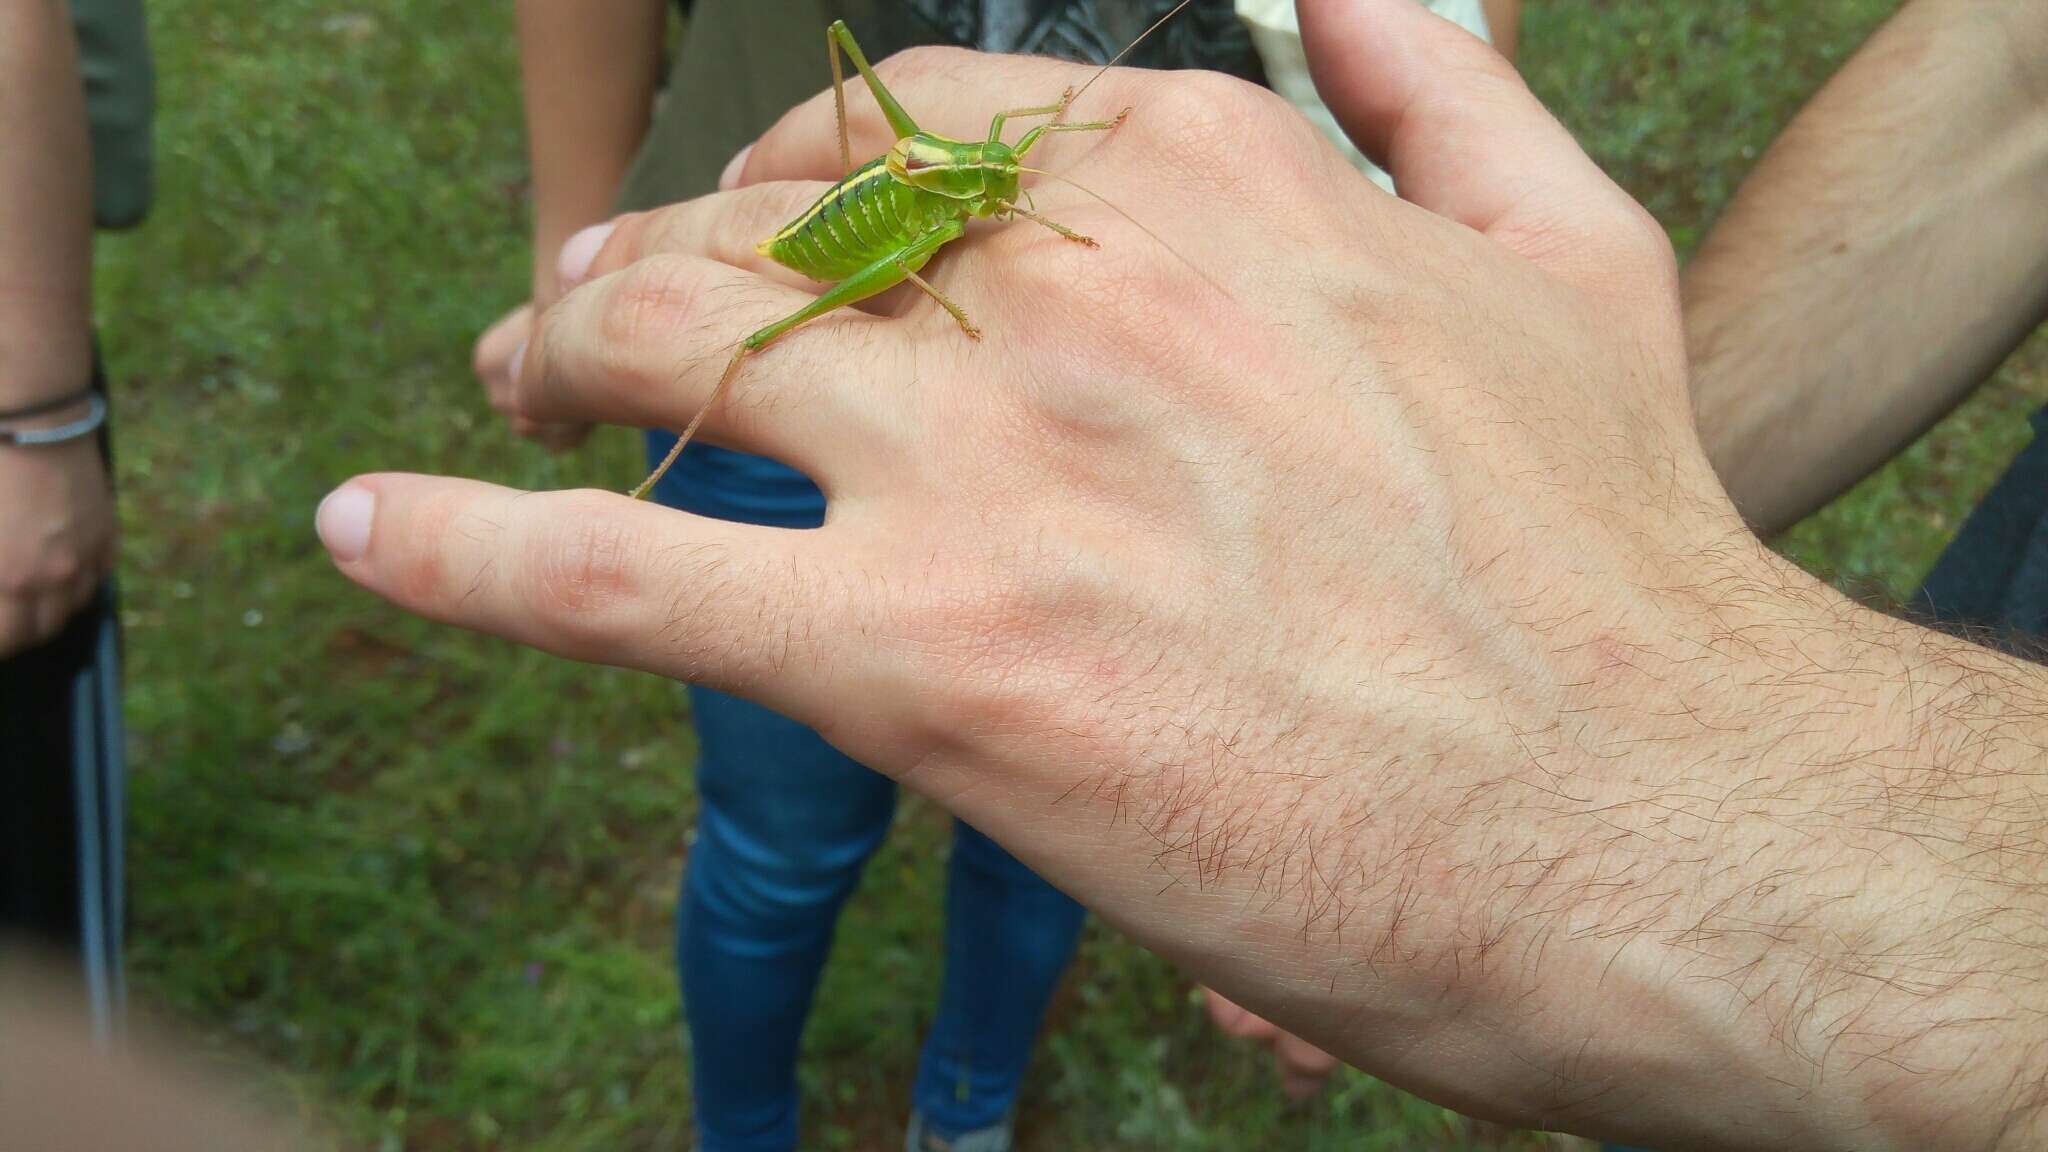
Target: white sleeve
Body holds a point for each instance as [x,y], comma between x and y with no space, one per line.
[1276,34]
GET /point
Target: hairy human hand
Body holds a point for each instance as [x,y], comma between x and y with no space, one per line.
[1327,588]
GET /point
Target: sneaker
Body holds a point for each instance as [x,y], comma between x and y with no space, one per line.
[994,1138]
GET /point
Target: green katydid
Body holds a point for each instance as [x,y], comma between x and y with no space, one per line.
[884,220]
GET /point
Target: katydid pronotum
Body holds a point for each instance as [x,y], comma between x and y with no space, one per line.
[877,226]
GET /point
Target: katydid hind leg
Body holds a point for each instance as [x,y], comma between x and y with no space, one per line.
[732,369]
[873,280]
[900,122]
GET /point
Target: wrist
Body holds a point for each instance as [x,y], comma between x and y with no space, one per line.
[1808,854]
[48,413]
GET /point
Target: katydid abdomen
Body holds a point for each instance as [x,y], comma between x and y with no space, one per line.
[858,221]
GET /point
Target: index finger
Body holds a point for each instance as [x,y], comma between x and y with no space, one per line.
[597,576]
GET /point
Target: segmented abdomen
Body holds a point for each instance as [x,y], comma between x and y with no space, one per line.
[855,223]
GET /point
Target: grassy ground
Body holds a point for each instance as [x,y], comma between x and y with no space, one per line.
[428,876]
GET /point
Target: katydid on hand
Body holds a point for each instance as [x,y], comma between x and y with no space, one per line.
[882,222]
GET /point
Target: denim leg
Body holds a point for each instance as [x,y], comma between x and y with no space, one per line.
[787,824]
[1009,935]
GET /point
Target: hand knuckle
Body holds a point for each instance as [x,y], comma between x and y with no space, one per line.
[653,233]
[651,302]
[586,562]
[1221,136]
[420,573]
[1207,112]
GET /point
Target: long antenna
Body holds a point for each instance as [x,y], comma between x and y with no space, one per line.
[1114,60]
[1134,222]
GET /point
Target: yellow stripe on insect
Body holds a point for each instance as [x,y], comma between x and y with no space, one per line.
[874,169]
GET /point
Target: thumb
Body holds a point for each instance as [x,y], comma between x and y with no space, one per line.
[1466,139]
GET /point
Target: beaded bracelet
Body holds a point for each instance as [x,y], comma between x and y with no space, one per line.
[77,429]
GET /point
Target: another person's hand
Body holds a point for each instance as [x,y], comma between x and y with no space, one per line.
[56,538]
[56,517]
[1356,620]
[1304,1068]
[495,360]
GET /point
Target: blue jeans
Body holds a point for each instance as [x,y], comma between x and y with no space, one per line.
[787,824]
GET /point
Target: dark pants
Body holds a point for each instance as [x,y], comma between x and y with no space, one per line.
[60,827]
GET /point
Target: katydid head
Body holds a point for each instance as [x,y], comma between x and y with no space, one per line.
[983,170]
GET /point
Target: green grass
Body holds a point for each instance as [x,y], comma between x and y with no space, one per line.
[426,876]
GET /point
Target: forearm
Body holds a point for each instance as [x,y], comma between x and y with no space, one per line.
[1767,873]
[590,71]
[45,207]
[1890,249]
[1504,22]
[1836,892]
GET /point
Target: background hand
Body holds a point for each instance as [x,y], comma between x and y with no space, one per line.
[56,538]
[493,363]
[1304,1068]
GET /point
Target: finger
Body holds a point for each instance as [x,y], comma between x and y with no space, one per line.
[599,577]
[82,587]
[647,345]
[724,226]
[52,610]
[551,436]
[1225,1014]
[496,358]
[1304,1068]
[17,624]
[1465,138]
[495,347]
[729,179]
[561,437]
[1236,1020]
